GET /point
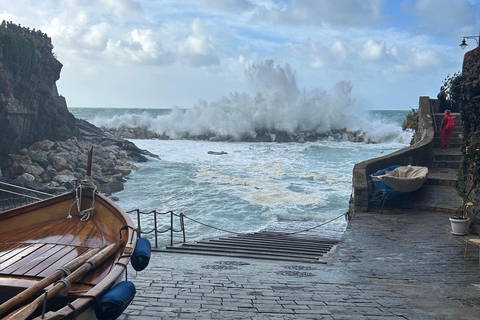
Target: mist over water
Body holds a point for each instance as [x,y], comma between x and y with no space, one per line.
[278,106]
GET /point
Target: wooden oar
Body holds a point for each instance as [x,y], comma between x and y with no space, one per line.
[26,311]
[57,275]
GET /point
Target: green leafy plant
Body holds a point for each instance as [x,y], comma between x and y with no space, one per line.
[19,50]
[451,82]
[469,171]
[411,122]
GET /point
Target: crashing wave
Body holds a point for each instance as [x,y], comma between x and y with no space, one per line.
[279,112]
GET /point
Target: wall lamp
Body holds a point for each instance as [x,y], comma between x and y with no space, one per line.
[464,44]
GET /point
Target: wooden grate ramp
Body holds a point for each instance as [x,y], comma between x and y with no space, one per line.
[261,245]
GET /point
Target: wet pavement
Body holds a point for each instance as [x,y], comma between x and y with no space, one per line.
[395,264]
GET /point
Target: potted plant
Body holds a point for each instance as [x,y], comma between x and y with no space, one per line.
[468,180]
[460,223]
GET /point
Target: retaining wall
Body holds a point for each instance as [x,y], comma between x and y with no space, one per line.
[418,154]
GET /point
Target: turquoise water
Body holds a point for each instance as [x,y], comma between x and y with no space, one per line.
[254,186]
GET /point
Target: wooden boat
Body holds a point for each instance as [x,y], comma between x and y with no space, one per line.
[396,180]
[83,231]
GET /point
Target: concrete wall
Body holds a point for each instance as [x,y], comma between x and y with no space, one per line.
[418,154]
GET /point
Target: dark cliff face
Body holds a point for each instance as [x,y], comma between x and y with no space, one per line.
[30,108]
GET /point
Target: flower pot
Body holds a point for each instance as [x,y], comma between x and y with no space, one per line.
[459,226]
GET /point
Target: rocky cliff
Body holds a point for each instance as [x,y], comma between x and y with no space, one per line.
[30,107]
[466,90]
[31,111]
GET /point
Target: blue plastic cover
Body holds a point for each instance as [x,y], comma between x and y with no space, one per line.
[111,305]
[141,254]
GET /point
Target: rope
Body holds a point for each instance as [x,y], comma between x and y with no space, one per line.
[83,214]
[206,225]
[317,226]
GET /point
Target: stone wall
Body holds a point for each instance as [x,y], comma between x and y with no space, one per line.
[418,154]
[466,89]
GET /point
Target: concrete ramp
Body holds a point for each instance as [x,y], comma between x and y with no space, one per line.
[262,245]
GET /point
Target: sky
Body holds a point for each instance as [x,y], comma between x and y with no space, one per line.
[176,53]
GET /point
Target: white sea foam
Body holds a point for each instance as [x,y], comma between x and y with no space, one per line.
[278,105]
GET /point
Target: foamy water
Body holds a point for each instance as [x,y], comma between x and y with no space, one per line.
[253,186]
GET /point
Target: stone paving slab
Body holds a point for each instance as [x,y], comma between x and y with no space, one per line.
[399,264]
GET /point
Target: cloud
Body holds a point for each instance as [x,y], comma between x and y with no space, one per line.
[341,13]
[141,47]
[229,5]
[338,49]
[96,36]
[197,50]
[440,16]
[372,51]
[126,10]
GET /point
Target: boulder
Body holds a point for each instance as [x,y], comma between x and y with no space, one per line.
[43,145]
[60,163]
[24,179]
[62,179]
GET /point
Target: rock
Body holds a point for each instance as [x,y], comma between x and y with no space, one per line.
[62,179]
[116,186]
[34,169]
[21,159]
[43,145]
[39,157]
[60,163]
[217,152]
[104,188]
[23,152]
[24,179]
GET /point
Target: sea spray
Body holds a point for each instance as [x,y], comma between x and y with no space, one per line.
[278,107]
[279,111]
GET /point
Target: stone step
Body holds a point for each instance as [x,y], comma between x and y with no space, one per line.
[430,198]
[446,165]
[442,177]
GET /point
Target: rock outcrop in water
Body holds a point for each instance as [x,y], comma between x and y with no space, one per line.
[261,136]
[42,145]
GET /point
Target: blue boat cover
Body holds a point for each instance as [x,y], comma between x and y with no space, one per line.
[141,254]
[111,305]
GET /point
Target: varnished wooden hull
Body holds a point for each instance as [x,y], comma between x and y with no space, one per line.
[38,239]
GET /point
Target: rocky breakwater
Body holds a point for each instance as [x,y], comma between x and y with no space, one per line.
[56,167]
[259,136]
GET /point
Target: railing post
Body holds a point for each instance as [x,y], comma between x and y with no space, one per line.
[182,225]
[139,223]
[171,228]
[155,227]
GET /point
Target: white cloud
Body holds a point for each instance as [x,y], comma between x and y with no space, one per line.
[440,16]
[228,5]
[338,49]
[140,47]
[372,51]
[96,37]
[208,44]
[197,50]
[333,12]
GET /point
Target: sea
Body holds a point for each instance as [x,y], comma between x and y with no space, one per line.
[231,186]
[249,186]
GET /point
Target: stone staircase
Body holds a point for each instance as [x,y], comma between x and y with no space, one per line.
[439,192]
[446,162]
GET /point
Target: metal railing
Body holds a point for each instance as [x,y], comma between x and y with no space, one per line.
[13,196]
[155,230]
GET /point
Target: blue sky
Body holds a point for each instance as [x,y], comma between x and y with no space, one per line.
[165,53]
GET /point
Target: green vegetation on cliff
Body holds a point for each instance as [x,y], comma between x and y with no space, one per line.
[18,52]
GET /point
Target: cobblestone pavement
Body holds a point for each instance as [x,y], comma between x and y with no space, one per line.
[391,265]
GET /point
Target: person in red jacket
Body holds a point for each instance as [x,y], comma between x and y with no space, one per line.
[448,122]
